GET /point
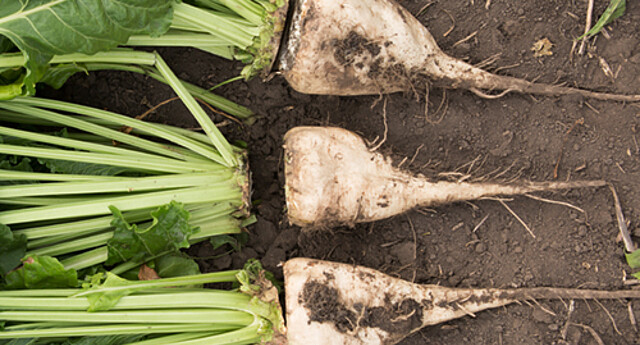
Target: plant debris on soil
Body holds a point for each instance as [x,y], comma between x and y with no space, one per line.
[479,244]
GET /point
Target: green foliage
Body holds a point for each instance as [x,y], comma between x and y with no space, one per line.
[55,76]
[11,162]
[633,259]
[173,265]
[5,45]
[167,266]
[43,28]
[106,299]
[615,10]
[41,272]
[169,231]
[12,249]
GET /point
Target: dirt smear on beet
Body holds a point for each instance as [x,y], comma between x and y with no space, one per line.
[324,304]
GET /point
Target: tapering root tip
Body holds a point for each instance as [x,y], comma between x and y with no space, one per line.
[559,293]
[548,186]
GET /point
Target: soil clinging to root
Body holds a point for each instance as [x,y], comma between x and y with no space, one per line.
[324,304]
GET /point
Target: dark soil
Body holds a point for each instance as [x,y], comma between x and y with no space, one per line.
[477,244]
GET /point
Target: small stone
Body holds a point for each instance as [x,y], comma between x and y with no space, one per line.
[553,327]
[480,248]
[518,250]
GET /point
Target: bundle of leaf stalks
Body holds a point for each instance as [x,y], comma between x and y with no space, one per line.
[91,187]
[111,310]
[49,41]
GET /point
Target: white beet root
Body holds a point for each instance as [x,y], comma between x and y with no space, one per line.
[332,178]
[360,47]
[333,303]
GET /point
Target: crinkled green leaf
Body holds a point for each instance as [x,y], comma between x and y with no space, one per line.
[169,231]
[12,249]
[56,76]
[172,265]
[16,163]
[41,272]
[43,28]
[615,10]
[105,300]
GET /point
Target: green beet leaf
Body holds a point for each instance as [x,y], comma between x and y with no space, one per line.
[106,298]
[43,28]
[615,10]
[41,272]
[169,231]
[633,258]
[12,249]
[173,265]
[56,76]
[5,45]
[16,164]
